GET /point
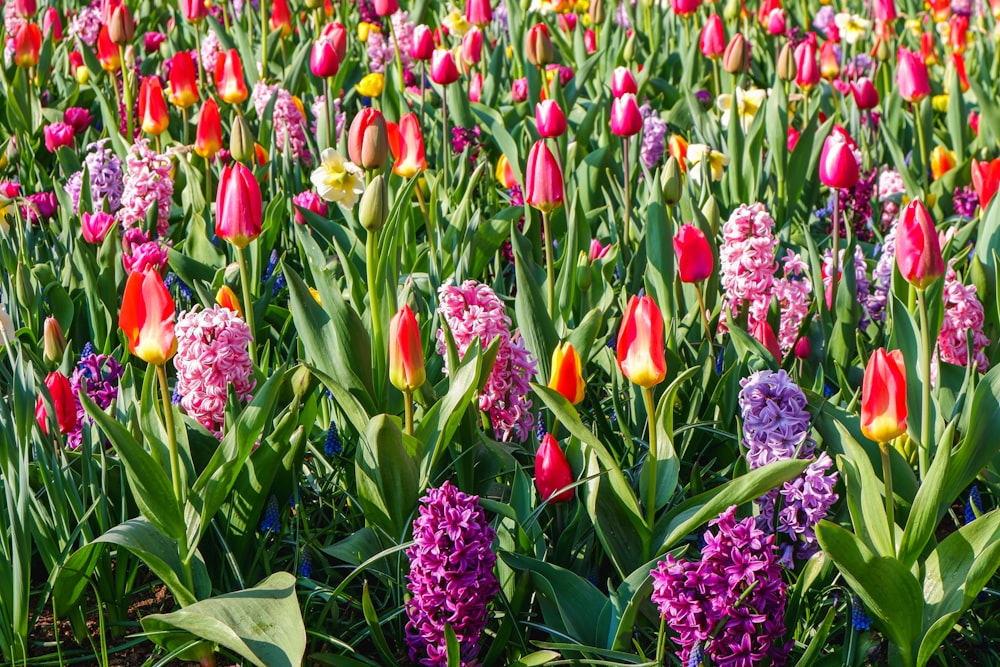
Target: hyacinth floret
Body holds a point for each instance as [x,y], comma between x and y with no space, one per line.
[96,376]
[148,184]
[654,134]
[288,118]
[747,258]
[107,183]
[963,313]
[473,310]
[882,276]
[451,578]
[730,604]
[85,24]
[861,282]
[212,353]
[792,292]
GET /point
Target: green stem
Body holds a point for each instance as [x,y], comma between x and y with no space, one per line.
[890,502]
[263,41]
[331,120]
[922,142]
[704,315]
[375,296]
[628,195]
[444,137]
[550,271]
[247,300]
[201,69]
[127,93]
[168,422]
[650,500]
[835,259]
[926,437]
[408,402]
[208,182]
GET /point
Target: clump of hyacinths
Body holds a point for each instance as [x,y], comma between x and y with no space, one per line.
[451,578]
[97,376]
[729,605]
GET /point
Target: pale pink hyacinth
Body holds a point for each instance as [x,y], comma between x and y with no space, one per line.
[890,191]
[318,110]
[861,283]
[747,258]
[85,24]
[148,183]
[289,121]
[963,313]
[212,353]
[882,275]
[473,310]
[792,292]
[211,49]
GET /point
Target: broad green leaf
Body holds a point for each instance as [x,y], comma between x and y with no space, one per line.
[863,495]
[532,313]
[929,505]
[374,625]
[387,477]
[981,443]
[668,465]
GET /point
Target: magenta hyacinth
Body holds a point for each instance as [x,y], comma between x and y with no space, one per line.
[451,578]
[473,310]
[97,376]
[212,353]
[730,604]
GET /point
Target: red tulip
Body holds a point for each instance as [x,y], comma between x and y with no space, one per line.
[25,8]
[567,373]
[985,180]
[52,24]
[552,471]
[107,51]
[152,106]
[406,353]
[803,348]
[443,67]
[422,46]
[543,179]
[63,401]
[911,76]
[918,251]
[958,33]
[324,61]
[958,60]
[713,38]
[183,80]
[147,318]
[281,17]
[194,10]
[478,12]
[208,138]
[406,142]
[640,343]
[622,82]
[238,206]
[96,226]
[764,334]
[883,396]
[806,67]
[550,119]
[694,254]
[838,168]
[865,95]
[884,10]
[626,120]
[229,78]
[386,7]
[367,139]
[27,45]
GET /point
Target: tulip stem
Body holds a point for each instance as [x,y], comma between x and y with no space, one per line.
[127,94]
[168,422]
[208,183]
[374,303]
[550,271]
[628,195]
[197,45]
[331,122]
[444,135]
[263,41]
[247,300]
[890,502]
[922,143]
[835,256]
[925,377]
[704,315]
[408,402]
[647,397]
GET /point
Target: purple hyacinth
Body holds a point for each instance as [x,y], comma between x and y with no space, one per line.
[654,134]
[106,178]
[730,605]
[451,576]
[97,376]
[965,201]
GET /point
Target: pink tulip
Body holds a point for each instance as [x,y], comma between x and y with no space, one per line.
[626,121]
[96,226]
[472,47]
[519,90]
[324,61]
[622,82]
[550,118]
[911,76]
[685,7]
[806,67]
[694,254]
[386,7]
[478,12]
[422,46]
[838,167]
[443,67]
[590,41]
[543,179]
[476,87]
[865,95]
[713,38]
[58,134]
[918,251]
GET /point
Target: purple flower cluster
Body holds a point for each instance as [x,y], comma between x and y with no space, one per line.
[730,605]
[856,203]
[97,376]
[85,24]
[775,428]
[882,276]
[318,109]
[466,137]
[861,283]
[965,201]
[473,310]
[451,576]
[107,184]
[654,135]
[289,121]
[963,314]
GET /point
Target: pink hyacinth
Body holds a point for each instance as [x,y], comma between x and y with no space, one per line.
[862,285]
[289,122]
[139,252]
[473,310]
[747,257]
[963,313]
[148,183]
[792,292]
[211,49]
[212,353]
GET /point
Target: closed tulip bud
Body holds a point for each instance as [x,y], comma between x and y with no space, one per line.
[63,401]
[838,167]
[147,318]
[208,137]
[152,107]
[504,173]
[672,182]
[623,82]
[374,208]
[883,396]
[95,226]
[476,87]
[539,45]
[194,10]
[694,254]
[628,53]
[584,278]
[807,74]
[712,214]
[443,67]
[918,251]
[911,76]
[368,139]
[596,12]
[803,348]
[183,80]
[336,34]
[472,47]
[713,38]
[25,8]
[281,17]
[640,349]
[121,27]
[406,352]
[942,161]
[882,51]
[53,340]
[27,45]
[229,78]
[238,208]
[567,373]
[736,58]
[107,52]
[550,119]
[764,334]
[422,44]
[786,67]
[52,24]
[552,472]
[589,41]
[324,61]
[626,120]
[386,7]
[241,143]
[829,64]
[543,179]
[478,12]
[865,95]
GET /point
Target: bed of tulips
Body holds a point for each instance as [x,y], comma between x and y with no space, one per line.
[598,332]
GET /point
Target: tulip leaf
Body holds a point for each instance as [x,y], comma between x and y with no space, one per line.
[659,274]
[668,465]
[929,505]
[387,476]
[863,498]
[532,314]
[501,137]
[886,586]
[981,443]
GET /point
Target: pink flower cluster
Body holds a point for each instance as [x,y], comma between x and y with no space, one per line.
[472,310]
[211,49]
[963,313]
[748,261]
[212,354]
[148,183]
[792,293]
[289,121]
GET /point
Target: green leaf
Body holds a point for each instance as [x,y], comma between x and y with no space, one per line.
[263,624]
[387,476]
[668,465]
[981,443]
[535,659]
[863,497]
[529,306]
[929,505]
[454,650]
[374,625]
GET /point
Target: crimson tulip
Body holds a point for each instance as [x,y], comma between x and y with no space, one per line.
[640,349]
[764,334]
[918,251]
[96,226]
[550,119]
[552,471]
[622,82]
[63,401]
[865,95]
[838,168]
[883,396]
[238,206]
[406,141]
[694,254]
[147,318]
[422,44]
[324,61]
[985,180]
[406,352]
[472,47]
[443,67]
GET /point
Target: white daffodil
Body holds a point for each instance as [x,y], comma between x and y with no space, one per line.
[851,26]
[701,157]
[748,103]
[337,179]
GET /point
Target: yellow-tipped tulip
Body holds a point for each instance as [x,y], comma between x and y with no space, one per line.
[567,373]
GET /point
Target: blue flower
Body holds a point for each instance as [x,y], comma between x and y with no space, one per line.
[272,520]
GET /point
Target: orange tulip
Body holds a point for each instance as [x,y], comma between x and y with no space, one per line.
[152,107]
[208,138]
[567,377]
[229,78]
[640,343]
[407,145]
[227,298]
[942,161]
[883,396]
[406,353]
[147,318]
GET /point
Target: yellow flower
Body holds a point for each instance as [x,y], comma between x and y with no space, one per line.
[337,179]
[913,25]
[851,27]
[748,103]
[315,295]
[371,85]
[701,156]
[940,103]
[456,23]
[364,29]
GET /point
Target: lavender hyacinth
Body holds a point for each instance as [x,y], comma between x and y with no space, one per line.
[730,605]
[451,576]
[107,184]
[654,132]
